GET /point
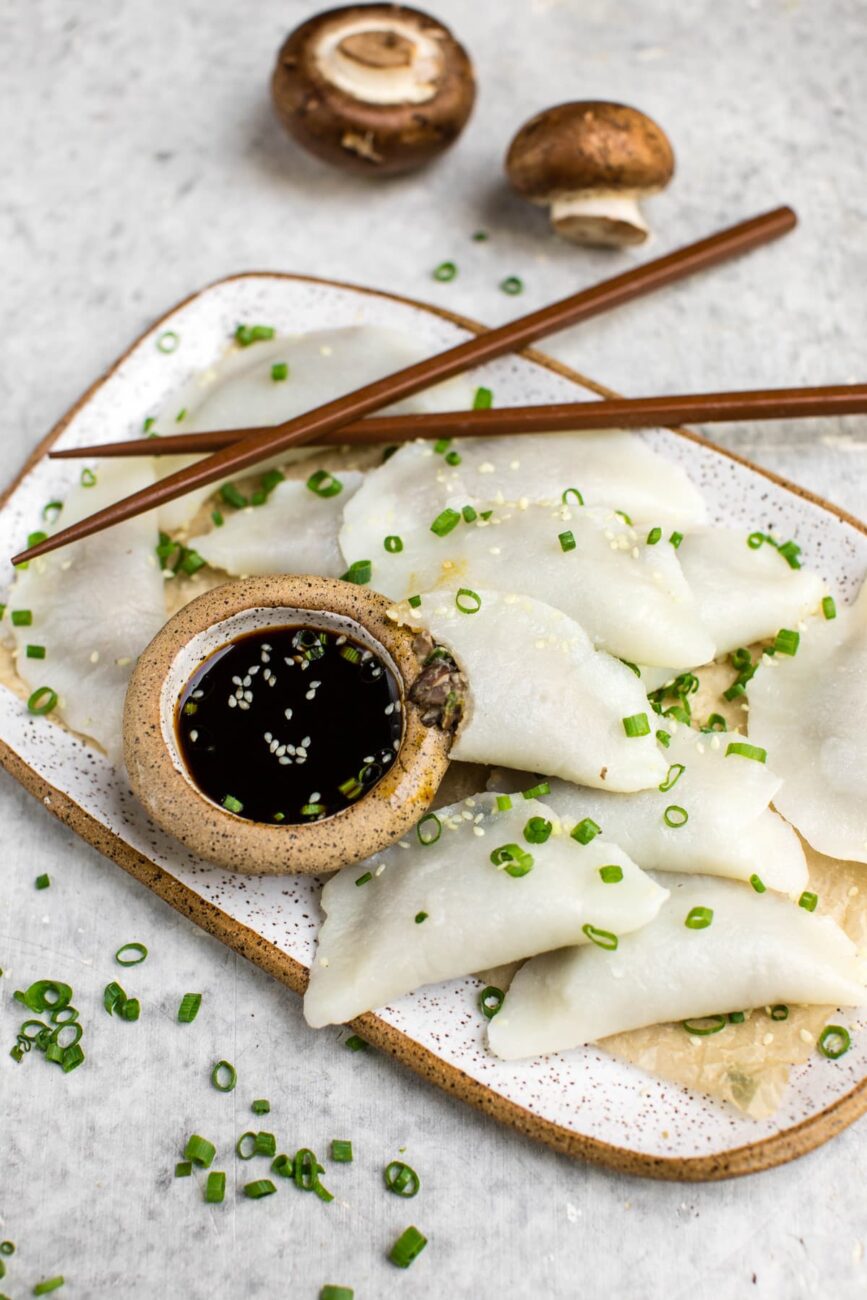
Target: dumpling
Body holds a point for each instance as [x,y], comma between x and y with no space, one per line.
[630,597]
[612,469]
[95,605]
[540,696]
[809,710]
[423,912]
[295,531]
[757,951]
[744,595]
[239,391]
[730,830]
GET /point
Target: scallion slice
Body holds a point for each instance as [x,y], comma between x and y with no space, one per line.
[183,1169]
[537,830]
[232,497]
[338,1292]
[245,1147]
[7,1247]
[261,1187]
[43,881]
[786,642]
[88,478]
[355,1044]
[45,995]
[282,1166]
[808,901]
[51,510]
[131,1009]
[504,802]
[715,722]
[245,335]
[408,1247]
[834,1041]
[279,371]
[654,536]
[35,652]
[22,617]
[324,484]
[341,1151]
[189,1008]
[393,544]
[736,1018]
[780,1011]
[445,272]
[512,285]
[572,491]
[359,572]
[138,948]
[420,917]
[514,860]
[483,399]
[611,875]
[364,878]
[224,1076]
[445,522]
[401,1179]
[200,1151]
[757,883]
[414,601]
[261,1106]
[567,540]
[306,1171]
[636,725]
[113,997]
[675,816]
[468,601]
[50,1284]
[829,607]
[698,918]
[754,752]
[706,1025]
[429,829]
[602,938]
[168,341]
[537,791]
[676,539]
[490,1001]
[664,738]
[586,830]
[675,772]
[215,1187]
[453,458]
[265,1145]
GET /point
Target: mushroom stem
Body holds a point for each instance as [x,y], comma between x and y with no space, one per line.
[607,219]
[381,61]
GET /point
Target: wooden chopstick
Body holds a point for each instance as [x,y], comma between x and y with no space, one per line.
[614,413]
[314,425]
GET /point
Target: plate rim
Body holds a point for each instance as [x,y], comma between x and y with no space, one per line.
[748,1158]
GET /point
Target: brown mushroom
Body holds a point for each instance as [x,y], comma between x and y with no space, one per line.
[592,162]
[378,88]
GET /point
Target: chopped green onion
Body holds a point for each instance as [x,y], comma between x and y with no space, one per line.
[537,791]
[512,285]
[664,738]
[247,334]
[363,879]
[567,541]
[71,1059]
[51,510]
[676,539]
[279,371]
[232,497]
[324,484]
[215,1187]
[45,995]
[191,561]
[261,1187]
[790,552]
[183,1169]
[359,572]
[265,1145]
[271,479]
[22,617]
[504,802]
[705,1026]
[654,536]
[341,1152]
[181,415]
[445,271]
[757,883]
[633,668]
[675,816]
[341,1292]
[780,1011]
[50,1284]
[168,341]
[393,544]
[754,752]
[43,881]
[429,829]
[483,399]
[829,607]
[513,859]
[442,445]
[200,1151]
[7,1247]
[33,539]
[355,1044]
[189,1008]
[537,830]
[312,809]
[224,1076]
[808,901]
[636,725]
[490,1001]
[306,1171]
[414,601]
[282,1166]
[611,875]
[261,1106]
[715,722]
[401,1179]
[624,516]
[137,948]
[420,917]
[445,522]
[786,642]
[698,918]
[602,938]
[351,788]
[245,1147]
[736,1018]
[408,1247]
[469,514]
[675,772]
[755,540]
[231,804]
[834,1041]
[586,830]
[453,458]
[131,1009]
[575,493]
[88,478]
[351,653]
[35,652]
[468,601]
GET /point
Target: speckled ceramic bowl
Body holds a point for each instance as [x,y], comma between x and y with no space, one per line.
[155,764]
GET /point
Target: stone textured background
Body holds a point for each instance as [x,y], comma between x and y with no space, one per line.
[139,159]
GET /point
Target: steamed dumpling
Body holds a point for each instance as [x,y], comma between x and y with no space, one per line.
[730,831]
[744,595]
[612,469]
[631,598]
[295,531]
[239,391]
[758,950]
[95,605]
[540,696]
[809,710]
[373,949]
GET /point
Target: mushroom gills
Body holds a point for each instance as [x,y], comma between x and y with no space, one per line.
[605,219]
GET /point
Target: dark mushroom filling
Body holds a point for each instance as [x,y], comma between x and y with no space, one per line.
[440,689]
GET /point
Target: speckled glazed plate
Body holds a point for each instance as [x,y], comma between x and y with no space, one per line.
[584,1103]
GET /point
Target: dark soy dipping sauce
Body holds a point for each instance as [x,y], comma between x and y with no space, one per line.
[292,724]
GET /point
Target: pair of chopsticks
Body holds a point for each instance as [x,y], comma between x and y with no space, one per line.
[248,447]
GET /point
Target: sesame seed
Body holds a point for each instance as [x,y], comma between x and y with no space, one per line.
[768,1039]
[287,714]
[805,1036]
[284,761]
[477,830]
[94,658]
[232,701]
[305,742]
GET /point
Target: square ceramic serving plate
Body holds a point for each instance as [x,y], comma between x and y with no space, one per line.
[584,1103]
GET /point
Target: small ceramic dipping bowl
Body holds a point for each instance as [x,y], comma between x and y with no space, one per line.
[154,758]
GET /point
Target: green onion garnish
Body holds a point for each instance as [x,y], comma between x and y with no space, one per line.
[351,653]
[341,1152]
[355,1044]
[453,458]
[664,738]
[215,1187]
[50,1284]
[7,1247]
[624,516]
[351,788]
[138,948]
[22,617]
[312,809]
[279,371]
[261,1187]
[245,1147]
[585,831]
[780,1011]
[736,1018]
[200,1151]
[43,881]
[469,514]
[401,1179]
[567,540]
[636,725]
[261,1106]
[131,1009]
[232,496]
[429,829]
[834,1041]
[786,642]
[483,399]
[537,791]
[754,752]
[654,536]
[231,804]
[602,938]
[324,484]
[359,572]
[282,1166]
[572,491]
[189,1008]
[537,830]
[468,601]
[504,802]
[168,341]
[715,722]
[490,1001]
[306,1171]
[265,1145]
[442,445]
[479,236]
[408,1247]
[224,1076]
[707,1025]
[363,879]
[445,271]
[393,544]
[340,1292]
[420,917]
[698,918]
[445,522]
[414,601]
[35,652]
[513,859]
[676,539]
[829,607]
[51,510]
[88,478]
[183,1169]
[808,901]
[611,875]
[45,995]
[181,415]
[512,285]
[247,334]
[675,772]
[757,883]
[790,552]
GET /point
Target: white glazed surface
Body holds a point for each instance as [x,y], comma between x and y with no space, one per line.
[585,1091]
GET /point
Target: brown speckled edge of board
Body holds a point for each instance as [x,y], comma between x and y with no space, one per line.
[753,1157]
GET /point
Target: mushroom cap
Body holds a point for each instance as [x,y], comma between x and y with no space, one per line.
[379,135]
[589,146]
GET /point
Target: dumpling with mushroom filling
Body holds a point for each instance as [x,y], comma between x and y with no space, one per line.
[241,391]
[614,469]
[715,947]
[475,886]
[631,598]
[540,696]
[710,814]
[809,710]
[294,531]
[95,605]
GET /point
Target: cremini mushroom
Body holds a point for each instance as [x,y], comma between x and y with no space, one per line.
[374,88]
[591,162]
